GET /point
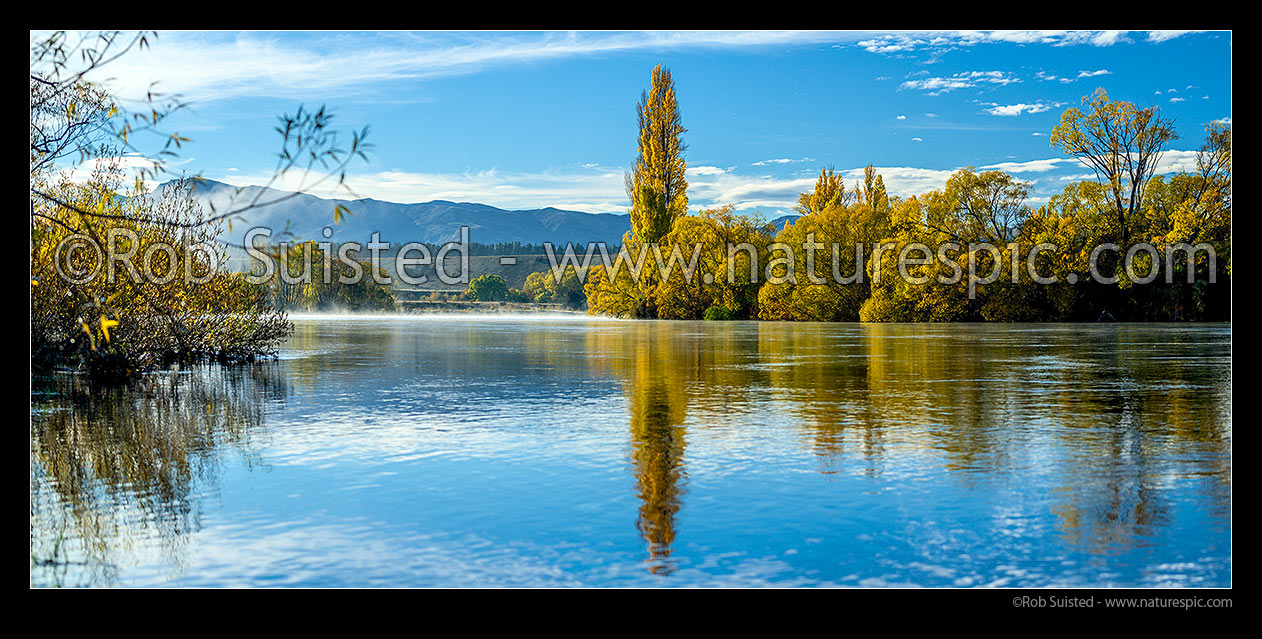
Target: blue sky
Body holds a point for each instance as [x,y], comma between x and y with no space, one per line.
[531,119]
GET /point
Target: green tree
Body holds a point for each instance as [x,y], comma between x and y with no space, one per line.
[487,288]
[543,287]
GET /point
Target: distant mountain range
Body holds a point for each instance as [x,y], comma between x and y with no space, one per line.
[437,221]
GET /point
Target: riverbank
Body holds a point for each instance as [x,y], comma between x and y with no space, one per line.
[464,306]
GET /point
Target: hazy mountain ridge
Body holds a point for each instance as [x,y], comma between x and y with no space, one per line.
[436,221]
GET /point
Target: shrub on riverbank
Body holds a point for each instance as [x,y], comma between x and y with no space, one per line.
[175,307]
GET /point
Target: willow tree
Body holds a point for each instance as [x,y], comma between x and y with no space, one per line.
[657,185]
[77,121]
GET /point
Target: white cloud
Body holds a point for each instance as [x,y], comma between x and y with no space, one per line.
[890,44]
[1092,74]
[905,181]
[901,117]
[963,80]
[767,193]
[1031,166]
[705,170]
[747,192]
[602,190]
[938,85]
[917,140]
[131,165]
[1012,110]
[1174,161]
[1108,38]
[1172,100]
[1020,37]
[590,190]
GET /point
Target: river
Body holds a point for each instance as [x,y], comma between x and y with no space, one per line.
[573,451]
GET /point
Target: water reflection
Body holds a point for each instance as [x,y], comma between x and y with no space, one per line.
[1114,414]
[876,454]
[114,468]
[657,444]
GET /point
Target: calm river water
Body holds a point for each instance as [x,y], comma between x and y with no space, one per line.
[570,451]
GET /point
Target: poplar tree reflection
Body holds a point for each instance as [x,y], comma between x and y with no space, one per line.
[658,408]
[657,452]
[656,367]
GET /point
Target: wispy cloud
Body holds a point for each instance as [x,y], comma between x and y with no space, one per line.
[906,181]
[1092,74]
[206,66]
[1162,36]
[905,42]
[1043,76]
[782,161]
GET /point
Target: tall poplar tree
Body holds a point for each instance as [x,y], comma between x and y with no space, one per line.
[657,186]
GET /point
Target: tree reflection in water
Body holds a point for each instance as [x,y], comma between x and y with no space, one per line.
[113,468]
[1107,409]
[1082,442]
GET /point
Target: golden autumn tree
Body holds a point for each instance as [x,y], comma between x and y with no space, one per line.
[657,185]
[1123,145]
[658,189]
[828,259]
[830,190]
